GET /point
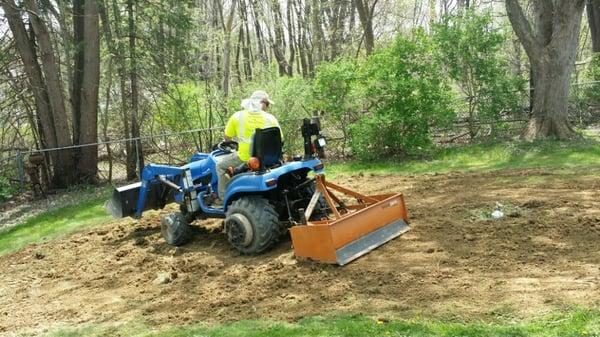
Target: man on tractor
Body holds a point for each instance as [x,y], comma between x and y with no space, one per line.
[240,127]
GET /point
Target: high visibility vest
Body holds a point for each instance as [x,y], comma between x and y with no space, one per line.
[241,127]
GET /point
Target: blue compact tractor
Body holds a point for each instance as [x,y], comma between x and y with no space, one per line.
[264,196]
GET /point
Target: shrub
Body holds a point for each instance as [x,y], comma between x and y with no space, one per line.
[337,95]
[6,189]
[182,107]
[404,94]
[470,47]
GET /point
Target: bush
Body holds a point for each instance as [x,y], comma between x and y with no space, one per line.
[6,189]
[182,107]
[591,95]
[337,96]
[405,95]
[334,87]
[470,49]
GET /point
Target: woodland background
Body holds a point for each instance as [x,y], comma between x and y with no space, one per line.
[117,83]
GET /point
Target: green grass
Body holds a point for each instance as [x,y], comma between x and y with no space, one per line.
[54,223]
[485,157]
[579,322]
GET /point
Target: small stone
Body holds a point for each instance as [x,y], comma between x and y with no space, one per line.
[514,214]
[162,278]
[469,237]
[178,251]
[140,242]
[121,253]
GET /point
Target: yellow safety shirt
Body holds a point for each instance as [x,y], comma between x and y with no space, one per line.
[241,127]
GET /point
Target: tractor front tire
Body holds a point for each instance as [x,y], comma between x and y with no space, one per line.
[175,229]
[252,225]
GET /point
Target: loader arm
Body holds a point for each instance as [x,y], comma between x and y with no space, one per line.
[160,185]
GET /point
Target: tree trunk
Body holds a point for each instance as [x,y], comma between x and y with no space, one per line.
[136,146]
[317,30]
[290,24]
[88,131]
[278,44]
[246,45]
[227,27]
[262,50]
[117,49]
[78,64]
[549,118]
[551,50]
[593,12]
[51,74]
[46,88]
[26,50]
[366,19]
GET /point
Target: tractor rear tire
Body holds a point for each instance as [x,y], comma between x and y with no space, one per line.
[252,225]
[175,229]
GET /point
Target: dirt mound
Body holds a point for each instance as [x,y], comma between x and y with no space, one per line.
[456,261]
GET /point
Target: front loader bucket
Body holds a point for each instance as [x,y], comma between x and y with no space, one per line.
[124,199]
[358,229]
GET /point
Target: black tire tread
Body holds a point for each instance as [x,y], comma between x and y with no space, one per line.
[264,219]
[181,230]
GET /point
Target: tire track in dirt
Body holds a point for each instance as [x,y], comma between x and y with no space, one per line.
[541,256]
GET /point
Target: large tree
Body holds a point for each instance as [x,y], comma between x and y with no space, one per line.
[593,13]
[44,80]
[550,40]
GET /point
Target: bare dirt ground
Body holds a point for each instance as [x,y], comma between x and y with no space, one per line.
[456,262]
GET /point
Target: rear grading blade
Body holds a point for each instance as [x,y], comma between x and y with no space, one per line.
[356,229]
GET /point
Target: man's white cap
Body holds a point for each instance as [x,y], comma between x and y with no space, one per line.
[253,102]
[260,95]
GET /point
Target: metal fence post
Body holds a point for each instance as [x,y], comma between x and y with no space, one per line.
[20,171]
[137,158]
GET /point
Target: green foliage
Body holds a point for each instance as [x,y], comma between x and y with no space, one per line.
[6,188]
[592,94]
[334,87]
[292,96]
[404,94]
[181,107]
[470,47]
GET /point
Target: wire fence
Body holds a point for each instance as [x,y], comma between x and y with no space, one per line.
[29,170]
[23,169]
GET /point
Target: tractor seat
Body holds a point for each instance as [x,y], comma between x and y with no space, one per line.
[266,146]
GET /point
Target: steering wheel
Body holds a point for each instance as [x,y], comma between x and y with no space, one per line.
[227,146]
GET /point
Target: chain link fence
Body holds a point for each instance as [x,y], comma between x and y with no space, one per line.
[27,170]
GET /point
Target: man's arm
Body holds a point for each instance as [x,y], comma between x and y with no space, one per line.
[231,127]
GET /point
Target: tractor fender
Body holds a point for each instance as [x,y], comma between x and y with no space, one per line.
[256,183]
